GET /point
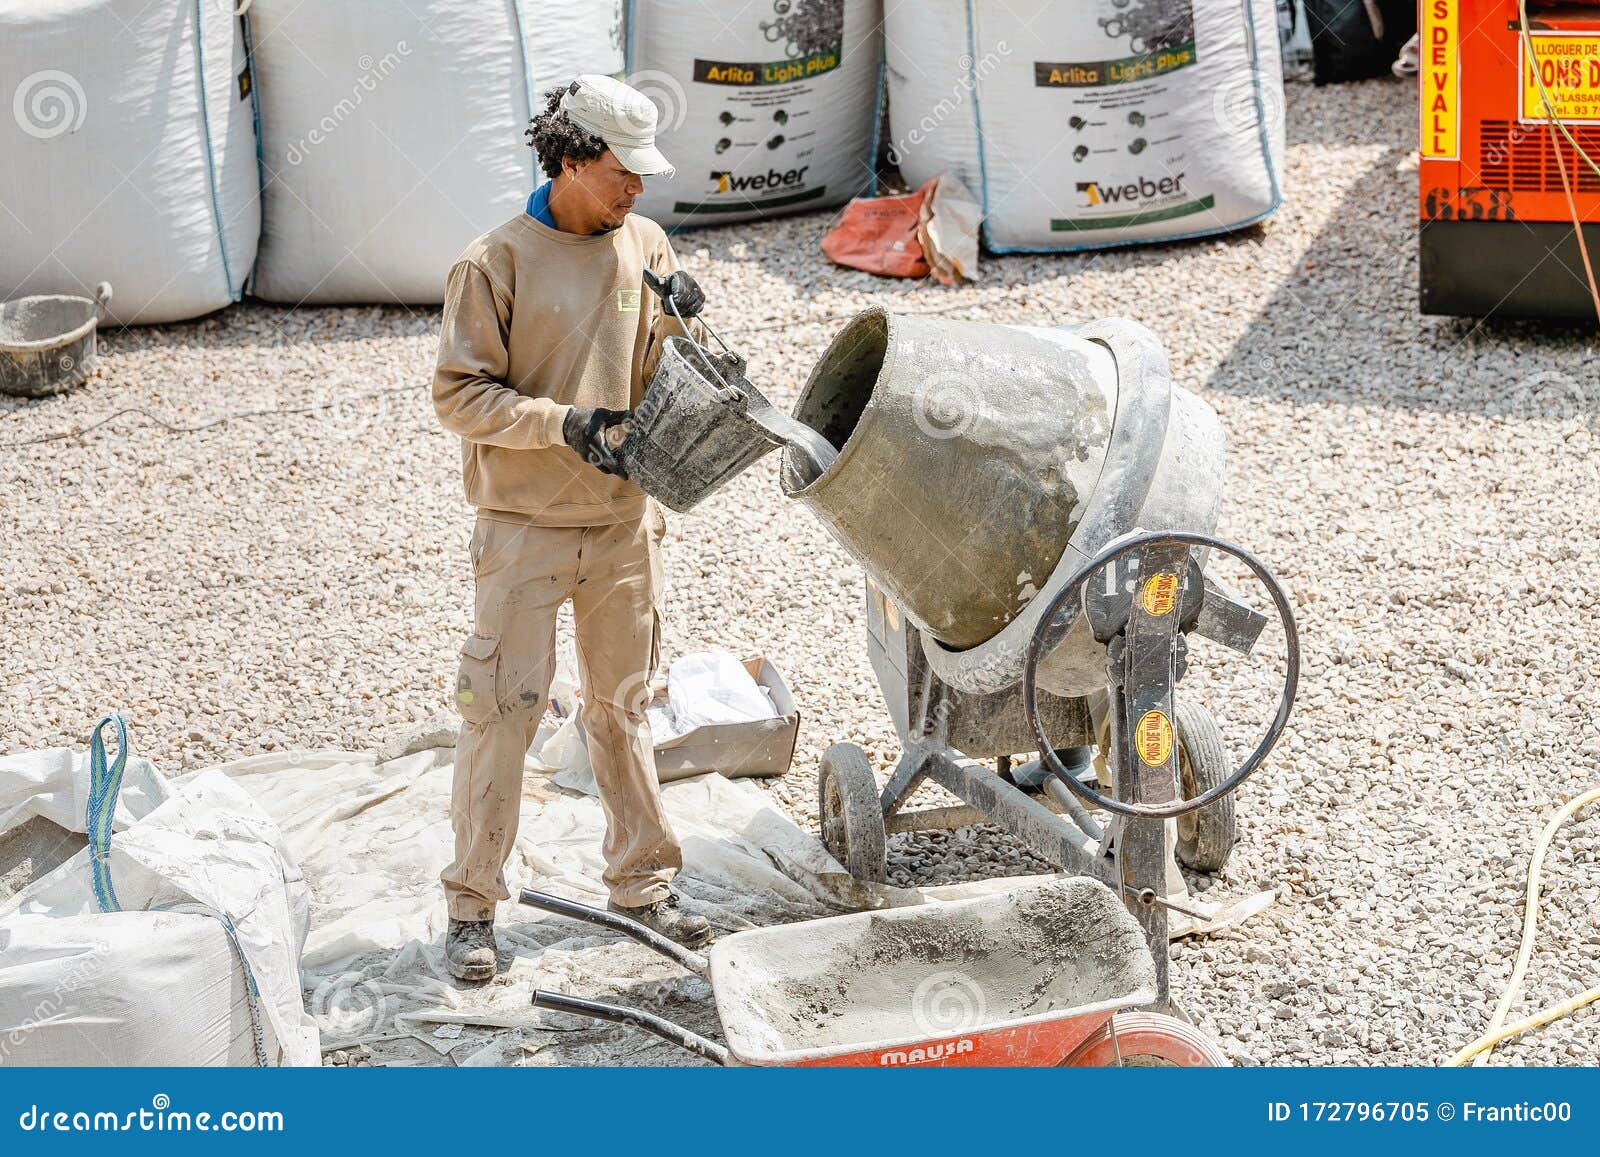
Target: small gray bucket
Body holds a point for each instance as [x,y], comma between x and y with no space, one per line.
[47,342]
[698,425]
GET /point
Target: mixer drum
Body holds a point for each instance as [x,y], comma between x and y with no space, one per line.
[966,451]
[980,464]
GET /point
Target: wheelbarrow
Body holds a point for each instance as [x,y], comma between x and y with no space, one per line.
[48,341]
[1051,974]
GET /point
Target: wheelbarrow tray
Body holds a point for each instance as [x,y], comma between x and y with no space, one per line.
[1018,978]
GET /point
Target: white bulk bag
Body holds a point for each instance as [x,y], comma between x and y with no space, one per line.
[127,154]
[767,106]
[393,134]
[1099,122]
[181,948]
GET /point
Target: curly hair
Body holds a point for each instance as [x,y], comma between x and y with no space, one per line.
[555,137]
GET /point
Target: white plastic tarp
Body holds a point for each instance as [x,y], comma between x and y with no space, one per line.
[372,838]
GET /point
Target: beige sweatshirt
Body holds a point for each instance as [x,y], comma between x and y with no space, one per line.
[537,321]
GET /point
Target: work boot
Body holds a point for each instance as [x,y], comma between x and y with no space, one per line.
[665,917]
[470,951]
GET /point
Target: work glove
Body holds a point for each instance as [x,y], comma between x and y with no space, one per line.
[596,434]
[680,293]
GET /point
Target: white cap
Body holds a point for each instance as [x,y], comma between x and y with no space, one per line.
[623,117]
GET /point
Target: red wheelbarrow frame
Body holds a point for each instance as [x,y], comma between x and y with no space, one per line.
[1051,1038]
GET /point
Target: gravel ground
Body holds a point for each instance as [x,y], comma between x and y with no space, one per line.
[1425,488]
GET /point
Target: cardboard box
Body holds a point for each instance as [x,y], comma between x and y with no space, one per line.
[762,748]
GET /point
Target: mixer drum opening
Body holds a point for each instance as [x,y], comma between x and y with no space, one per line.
[842,383]
[967,452]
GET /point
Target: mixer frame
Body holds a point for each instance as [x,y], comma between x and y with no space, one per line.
[1141,596]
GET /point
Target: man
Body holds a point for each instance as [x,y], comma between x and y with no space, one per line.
[549,335]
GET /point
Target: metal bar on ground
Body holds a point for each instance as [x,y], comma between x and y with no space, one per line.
[692,961]
[636,1017]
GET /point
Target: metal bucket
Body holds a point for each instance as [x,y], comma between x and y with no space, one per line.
[696,426]
[980,464]
[47,343]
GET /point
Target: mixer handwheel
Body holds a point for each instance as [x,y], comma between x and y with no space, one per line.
[1061,612]
[1205,837]
[852,818]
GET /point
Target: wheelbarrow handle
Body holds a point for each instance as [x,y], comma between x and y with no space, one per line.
[691,961]
[637,1018]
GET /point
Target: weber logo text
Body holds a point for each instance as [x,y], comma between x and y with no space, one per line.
[1144,189]
[730,182]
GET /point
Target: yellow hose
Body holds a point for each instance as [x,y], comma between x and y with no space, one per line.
[1478,1051]
[1498,1029]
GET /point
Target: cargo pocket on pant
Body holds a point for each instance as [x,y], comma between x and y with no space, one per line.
[475,681]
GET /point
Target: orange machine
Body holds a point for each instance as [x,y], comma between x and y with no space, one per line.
[1497,233]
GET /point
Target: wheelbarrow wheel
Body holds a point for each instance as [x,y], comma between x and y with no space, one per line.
[1147,1040]
[1206,836]
[852,819]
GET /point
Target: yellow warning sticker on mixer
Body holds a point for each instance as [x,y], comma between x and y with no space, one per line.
[1152,738]
[1160,594]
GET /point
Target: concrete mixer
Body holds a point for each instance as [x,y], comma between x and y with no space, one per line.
[1034,509]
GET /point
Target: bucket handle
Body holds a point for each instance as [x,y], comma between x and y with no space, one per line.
[721,391]
[658,286]
[102,299]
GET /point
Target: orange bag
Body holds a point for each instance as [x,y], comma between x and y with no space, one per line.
[879,235]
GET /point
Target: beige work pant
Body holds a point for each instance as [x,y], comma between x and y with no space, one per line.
[524,573]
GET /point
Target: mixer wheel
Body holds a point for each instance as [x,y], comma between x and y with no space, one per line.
[1147,1040]
[1205,837]
[852,818]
